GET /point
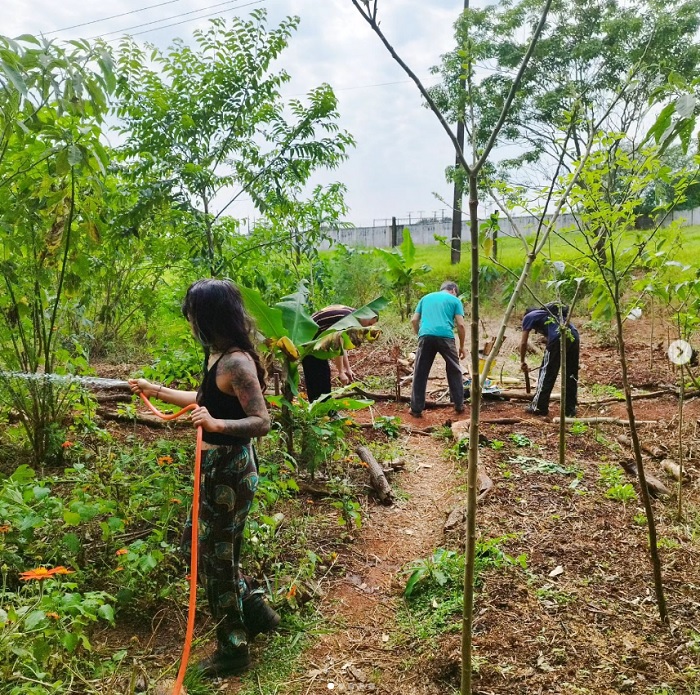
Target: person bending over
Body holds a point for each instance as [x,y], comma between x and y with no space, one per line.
[231,412]
[434,322]
[545,321]
[317,372]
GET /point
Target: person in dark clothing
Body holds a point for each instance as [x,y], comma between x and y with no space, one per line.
[231,412]
[546,321]
[317,372]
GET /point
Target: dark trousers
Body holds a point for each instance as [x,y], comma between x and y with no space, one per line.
[317,375]
[428,347]
[227,489]
[551,362]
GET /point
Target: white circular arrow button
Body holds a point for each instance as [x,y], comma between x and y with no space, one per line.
[680,352]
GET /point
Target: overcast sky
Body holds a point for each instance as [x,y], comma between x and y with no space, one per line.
[401,152]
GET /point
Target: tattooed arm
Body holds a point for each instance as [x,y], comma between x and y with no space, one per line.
[237,376]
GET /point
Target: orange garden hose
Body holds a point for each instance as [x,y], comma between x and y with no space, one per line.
[195,535]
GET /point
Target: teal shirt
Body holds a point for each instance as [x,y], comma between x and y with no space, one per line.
[437,314]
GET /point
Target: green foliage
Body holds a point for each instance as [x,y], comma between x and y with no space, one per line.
[578,428]
[291,334]
[355,275]
[434,586]
[445,568]
[318,429]
[44,629]
[390,426]
[519,439]
[52,164]
[613,479]
[532,464]
[403,272]
[209,120]
[593,55]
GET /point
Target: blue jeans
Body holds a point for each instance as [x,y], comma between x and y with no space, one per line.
[428,347]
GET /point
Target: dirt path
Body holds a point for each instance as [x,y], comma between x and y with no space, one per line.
[360,608]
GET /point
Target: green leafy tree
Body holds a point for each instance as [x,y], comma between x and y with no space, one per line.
[209,122]
[283,249]
[629,268]
[53,101]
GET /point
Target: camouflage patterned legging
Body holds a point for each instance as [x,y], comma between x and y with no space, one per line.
[227,489]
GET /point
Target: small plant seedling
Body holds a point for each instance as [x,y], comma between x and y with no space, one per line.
[497,444]
[623,493]
[520,439]
[640,519]
[391,426]
[578,428]
[668,543]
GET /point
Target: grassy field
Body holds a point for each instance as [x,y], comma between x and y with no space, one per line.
[499,277]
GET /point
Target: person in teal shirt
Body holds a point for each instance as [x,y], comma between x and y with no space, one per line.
[434,322]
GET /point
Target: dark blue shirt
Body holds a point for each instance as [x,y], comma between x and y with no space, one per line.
[542,322]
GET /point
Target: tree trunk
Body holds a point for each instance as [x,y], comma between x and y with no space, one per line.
[644,491]
[472,472]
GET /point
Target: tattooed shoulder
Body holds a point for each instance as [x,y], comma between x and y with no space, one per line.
[238,370]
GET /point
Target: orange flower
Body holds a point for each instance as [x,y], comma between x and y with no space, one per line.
[175,500]
[61,570]
[162,460]
[55,616]
[4,528]
[43,573]
[66,444]
[121,551]
[292,591]
[309,501]
[119,569]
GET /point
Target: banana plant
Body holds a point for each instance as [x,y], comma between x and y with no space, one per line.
[402,271]
[289,333]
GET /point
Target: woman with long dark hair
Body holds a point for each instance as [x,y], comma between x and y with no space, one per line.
[231,411]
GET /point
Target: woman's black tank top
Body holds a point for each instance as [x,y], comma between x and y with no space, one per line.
[221,406]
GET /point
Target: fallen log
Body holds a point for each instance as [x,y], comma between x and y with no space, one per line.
[523,395]
[148,420]
[484,484]
[377,478]
[113,397]
[655,451]
[673,469]
[635,397]
[654,485]
[604,419]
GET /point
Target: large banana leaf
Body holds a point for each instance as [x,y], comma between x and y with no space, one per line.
[269,320]
[408,249]
[333,343]
[367,311]
[301,328]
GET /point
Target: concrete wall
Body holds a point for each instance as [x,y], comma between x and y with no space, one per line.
[423,232]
